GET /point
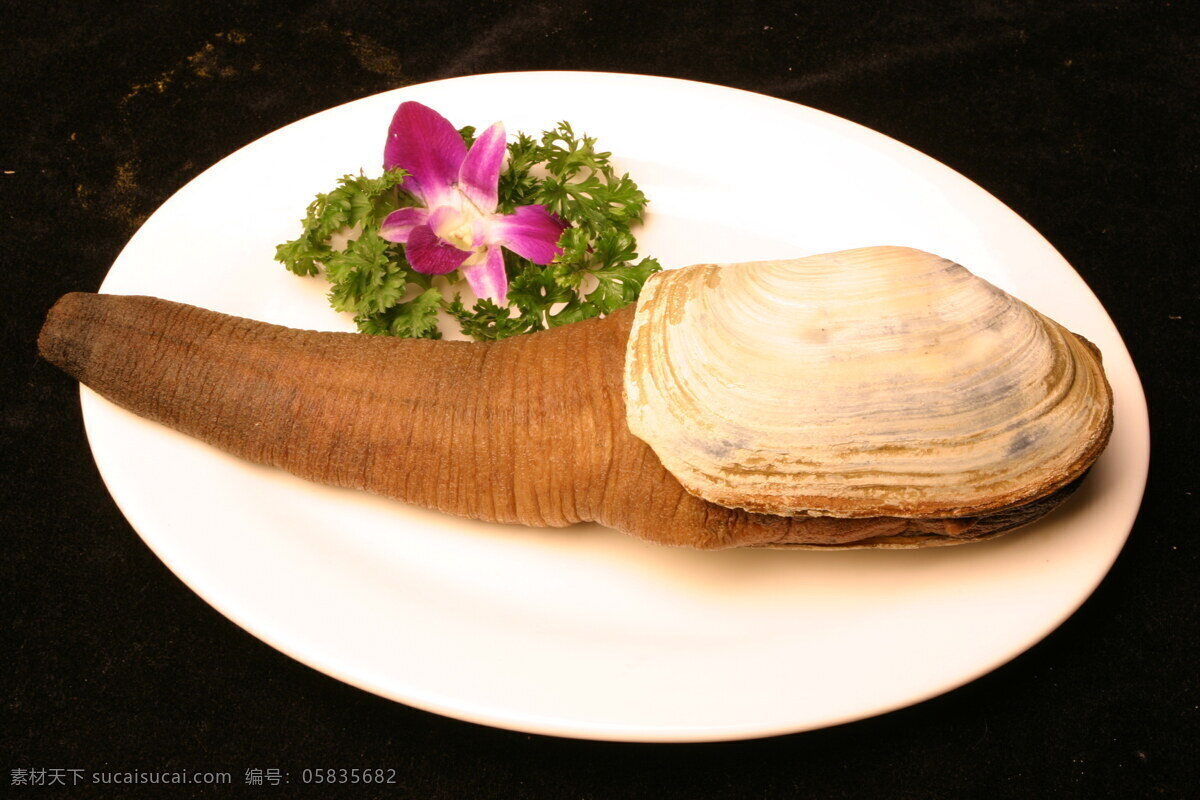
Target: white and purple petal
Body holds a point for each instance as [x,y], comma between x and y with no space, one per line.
[530,231]
[488,279]
[479,176]
[400,223]
[431,255]
[425,144]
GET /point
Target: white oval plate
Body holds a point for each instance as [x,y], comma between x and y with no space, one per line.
[585,632]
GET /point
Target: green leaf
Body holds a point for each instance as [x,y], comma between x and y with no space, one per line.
[534,290]
[574,311]
[357,200]
[487,321]
[414,319]
[366,278]
[620,285]
[302,256]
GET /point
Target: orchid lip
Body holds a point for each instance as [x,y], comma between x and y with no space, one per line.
[430,254]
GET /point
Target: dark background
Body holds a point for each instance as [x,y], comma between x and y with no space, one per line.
[1081,116]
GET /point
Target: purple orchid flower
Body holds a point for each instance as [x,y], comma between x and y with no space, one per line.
[458,227]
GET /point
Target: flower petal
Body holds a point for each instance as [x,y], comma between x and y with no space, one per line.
[479,175]
[489,279]
[425,144]
[399,223]
[530,231]
[431,255]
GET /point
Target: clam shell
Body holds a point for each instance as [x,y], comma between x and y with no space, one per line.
[882,381]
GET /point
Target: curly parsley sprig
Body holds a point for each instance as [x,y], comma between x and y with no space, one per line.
[597,272]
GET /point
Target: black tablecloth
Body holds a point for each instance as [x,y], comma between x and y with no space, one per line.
[1079,115]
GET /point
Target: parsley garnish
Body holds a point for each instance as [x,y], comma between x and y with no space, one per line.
[597,273]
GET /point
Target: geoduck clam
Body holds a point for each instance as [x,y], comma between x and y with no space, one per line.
[881,397]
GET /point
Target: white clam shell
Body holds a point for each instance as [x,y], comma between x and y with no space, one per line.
[876,382]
